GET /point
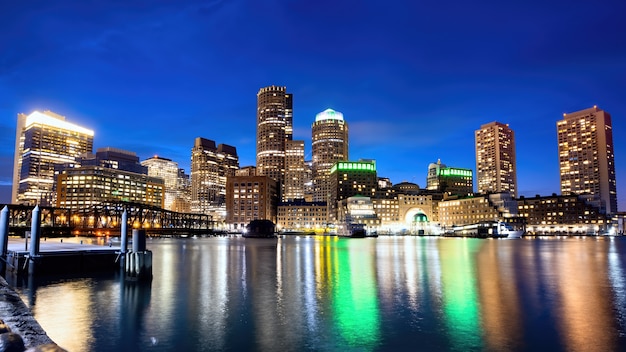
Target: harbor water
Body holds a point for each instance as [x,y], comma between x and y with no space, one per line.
[315,293]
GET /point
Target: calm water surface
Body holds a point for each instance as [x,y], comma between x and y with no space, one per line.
[328,293]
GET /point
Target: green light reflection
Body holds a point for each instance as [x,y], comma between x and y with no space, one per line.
[355,301]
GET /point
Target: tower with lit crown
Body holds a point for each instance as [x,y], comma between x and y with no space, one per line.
[329,145]
[495,159]
[44,141]
[586,159]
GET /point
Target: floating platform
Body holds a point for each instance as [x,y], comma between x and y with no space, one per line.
[57,257]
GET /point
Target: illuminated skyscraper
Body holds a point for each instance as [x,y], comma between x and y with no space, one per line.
[449,180]
[43,141]
[168,171]
[294,170]
[274,129]
[210,167]
[495,159]
[586,159]
[329,145]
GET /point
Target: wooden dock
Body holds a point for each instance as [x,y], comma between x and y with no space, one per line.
[57,257]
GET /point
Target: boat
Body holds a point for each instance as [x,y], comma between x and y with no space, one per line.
[484,229]
[352,230]
[260,229]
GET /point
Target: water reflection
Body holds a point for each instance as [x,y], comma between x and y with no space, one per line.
[328,293]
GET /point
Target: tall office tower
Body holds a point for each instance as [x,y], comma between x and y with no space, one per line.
[168,171]
[586,159]
[495,159]
[329,145]
[43,141]
[294,171]
[210,166]
[274,129]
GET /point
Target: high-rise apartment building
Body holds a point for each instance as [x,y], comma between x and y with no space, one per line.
[329,145]
[274,129]
[586,157]
[44,141]
[295,172]
[167,170]
[495,159]
[210,167]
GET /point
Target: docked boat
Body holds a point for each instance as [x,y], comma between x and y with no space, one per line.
[260,229]
[484,229]
[352,230]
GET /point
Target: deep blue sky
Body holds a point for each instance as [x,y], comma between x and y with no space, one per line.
[414,79]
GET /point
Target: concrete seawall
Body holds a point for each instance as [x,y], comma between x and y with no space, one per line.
[18,317]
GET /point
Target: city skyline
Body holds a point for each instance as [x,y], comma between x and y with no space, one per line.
[412,92]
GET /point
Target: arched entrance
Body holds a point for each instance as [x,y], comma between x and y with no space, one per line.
[417,220]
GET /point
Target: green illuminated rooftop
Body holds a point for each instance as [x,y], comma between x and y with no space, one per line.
[452,171]
[369,166]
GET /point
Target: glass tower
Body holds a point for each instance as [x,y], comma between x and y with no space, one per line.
[43,141]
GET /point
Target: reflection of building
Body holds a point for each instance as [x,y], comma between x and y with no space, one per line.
[472,210]
[302,216]
[329,145]
[250,198]
[274,129]
[586,159]
[565,214]
[295,173]
[449,180]
[495,159]
[43,141]
[168,171]
[210,166]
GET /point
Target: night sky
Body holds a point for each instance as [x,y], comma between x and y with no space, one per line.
[414,79]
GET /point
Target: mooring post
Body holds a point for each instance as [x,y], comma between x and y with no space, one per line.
[124,232]
[4,237]
[139,260]
[4,230]
[35,232]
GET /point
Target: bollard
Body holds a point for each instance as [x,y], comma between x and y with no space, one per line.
[139,240]
[35,232]
[4,230]
[124,232]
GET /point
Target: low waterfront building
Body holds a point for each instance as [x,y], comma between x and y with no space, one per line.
[303,216]
[250,198]
[563,215]
[86,186]
[480,208]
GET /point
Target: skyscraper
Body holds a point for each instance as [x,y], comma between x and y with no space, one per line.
[586,159]
[329,145]
[295,173]
[168,171]
[449,180]
[495,159]
[210,167]
[43,141]
[274,129]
